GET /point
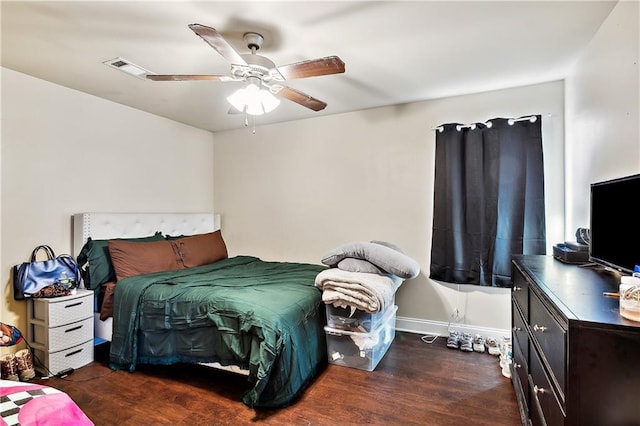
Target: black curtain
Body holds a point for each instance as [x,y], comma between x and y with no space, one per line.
[488,200]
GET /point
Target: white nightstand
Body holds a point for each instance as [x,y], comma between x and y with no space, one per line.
[60,330]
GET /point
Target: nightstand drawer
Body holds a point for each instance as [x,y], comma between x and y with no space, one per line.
[64,336]
[55,362]
[63,310]
[552,340]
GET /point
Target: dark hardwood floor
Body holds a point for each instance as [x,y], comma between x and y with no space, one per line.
[416,383]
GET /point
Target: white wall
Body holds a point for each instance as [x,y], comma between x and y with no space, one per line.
[603,117]
[295,190]
[65,152]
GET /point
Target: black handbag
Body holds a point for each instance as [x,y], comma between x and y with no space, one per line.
[53,277]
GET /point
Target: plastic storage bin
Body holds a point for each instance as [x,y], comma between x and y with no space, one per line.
[359,321]
[361,350]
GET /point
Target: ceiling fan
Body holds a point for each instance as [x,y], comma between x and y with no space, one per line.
[260,73]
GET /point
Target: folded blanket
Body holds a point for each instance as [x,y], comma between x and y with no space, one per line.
[357,290]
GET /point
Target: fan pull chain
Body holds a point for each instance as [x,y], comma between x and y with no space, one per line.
[253,121]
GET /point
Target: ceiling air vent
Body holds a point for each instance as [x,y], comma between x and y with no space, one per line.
[128,67]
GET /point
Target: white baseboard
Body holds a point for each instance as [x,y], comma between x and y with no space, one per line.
[441,328]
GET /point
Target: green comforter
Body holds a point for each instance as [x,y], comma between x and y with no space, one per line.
[262,316]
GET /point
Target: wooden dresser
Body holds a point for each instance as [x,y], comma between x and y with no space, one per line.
[576,361]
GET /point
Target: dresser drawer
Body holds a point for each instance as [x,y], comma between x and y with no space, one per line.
[519,330]
[542,395]
[520,292]
[63,310]
[64,336]
[520,373]
[551,338]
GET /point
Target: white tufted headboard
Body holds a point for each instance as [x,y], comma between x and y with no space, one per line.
[131,225]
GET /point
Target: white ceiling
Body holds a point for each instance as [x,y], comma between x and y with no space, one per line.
[395,52]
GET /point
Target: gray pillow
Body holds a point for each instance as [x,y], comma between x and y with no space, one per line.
[385,258]
[390,245]
[358,265]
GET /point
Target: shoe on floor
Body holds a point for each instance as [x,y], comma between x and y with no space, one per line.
[504,361]
[506,348]
[492,346]
[453,341]
[466,342]
[478,343]
[506,369]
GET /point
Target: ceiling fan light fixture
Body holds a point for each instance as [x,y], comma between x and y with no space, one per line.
[254,100]
[268,101]
[261,72]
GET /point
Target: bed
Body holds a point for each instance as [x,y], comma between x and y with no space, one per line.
[264,318]
[29,404]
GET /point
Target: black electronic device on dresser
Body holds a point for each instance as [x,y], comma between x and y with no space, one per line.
[614,223]
[576,361]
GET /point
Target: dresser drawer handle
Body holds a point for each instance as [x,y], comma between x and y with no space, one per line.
[516,288]
[536,389]
[517,329]
[539,328]
[74,352]
[73,329]
[73,304]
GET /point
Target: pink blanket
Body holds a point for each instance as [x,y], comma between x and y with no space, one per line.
[29,404]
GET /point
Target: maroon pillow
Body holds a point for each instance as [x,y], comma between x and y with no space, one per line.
[131,258]
[201,249]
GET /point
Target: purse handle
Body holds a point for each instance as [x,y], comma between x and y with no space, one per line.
[48,250]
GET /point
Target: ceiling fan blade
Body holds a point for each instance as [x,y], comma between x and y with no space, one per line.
[215,40]
[187,77]
[299,97]
[312,68]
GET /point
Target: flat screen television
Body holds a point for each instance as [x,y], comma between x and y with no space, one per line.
[615,223]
